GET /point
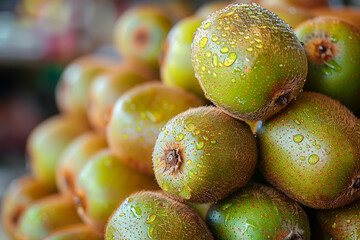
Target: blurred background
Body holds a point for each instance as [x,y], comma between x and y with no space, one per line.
[38,38]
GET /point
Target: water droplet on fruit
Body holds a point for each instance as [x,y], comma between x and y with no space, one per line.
[179,137]
[199,145]
[298,138]
[297,121]
[230,59]
[226,206]
[206,25]
[214,38]
[333,65]
[215,60]
[224,49]
[233,80]
[317,147]
[165,186]
[136,211]
[194,153]
[190,127]
[150,232]
[333,225]
[348,221]
[208,54]
[302,158]
[259,46]
[203,42]
[313,159]
[249,49]
[150,219]
[214,141]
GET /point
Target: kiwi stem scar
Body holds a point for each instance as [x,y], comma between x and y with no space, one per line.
[173,159]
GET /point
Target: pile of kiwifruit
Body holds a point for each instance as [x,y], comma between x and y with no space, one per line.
[220,124]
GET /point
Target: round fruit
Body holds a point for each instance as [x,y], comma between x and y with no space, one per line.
[152,215]
[332,46]
[248,61]
[76,232]
[311,152]
[203,155]
[209,7]
[137,117]
[349,13]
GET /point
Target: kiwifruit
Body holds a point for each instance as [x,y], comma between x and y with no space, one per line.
[349,13]
[46,215]
[176,68]
[46,143]
[137,117]
[103,183]
[203,155]
[333,51]
[74,157]
[248,61]
[339,223]
[152,215]
[258,212]
[140,32]
[311,151]
[309,4]
[76,232]
[209,7]
[18,196]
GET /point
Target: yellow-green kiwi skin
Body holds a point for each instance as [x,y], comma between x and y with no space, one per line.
[332,46]
[203,155]
[311,151]
[76,232]
[153,215]
[248,61]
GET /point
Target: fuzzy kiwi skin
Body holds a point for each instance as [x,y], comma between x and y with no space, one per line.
[258,212]
[18,196]
[103,183]
[76,232]
[340,223]
[248,61]
[74,157]
[45,216]
[153,215]
[311,151]
[137,117]
[216,155]
[333,49]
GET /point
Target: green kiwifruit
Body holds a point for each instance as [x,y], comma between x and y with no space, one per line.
[137,117]
[76,232]
[74,157]
[45,216]
[48,140]
[349,13]
[332,46]
[18,196]
[340,223]
[248,61]
[103,183]
[258,212]
[311,151]
[209,7]
[203,155]
[152,215]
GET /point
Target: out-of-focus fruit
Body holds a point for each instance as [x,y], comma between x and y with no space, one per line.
[203,155]
[140,33]
[45,216]
[74,157]
[209,7]
[71,91]
[138,116]
[152,215]
[258,212]
[46,143]
[332,46]
[103,183]
[176,68]
[301,3]
[340,223]
[18,196]
[249,62]
[311,152]
[76,232]
[349,13]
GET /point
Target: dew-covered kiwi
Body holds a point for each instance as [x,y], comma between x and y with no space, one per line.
[332,46]
[203,154]
[152,215]
[311,151]
[248,61]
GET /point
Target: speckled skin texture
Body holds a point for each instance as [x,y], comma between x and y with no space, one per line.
[338,75]
[311,151]
[137,117]
[217,155]
[248,61]
[341,223]
[258,212]
[152,215]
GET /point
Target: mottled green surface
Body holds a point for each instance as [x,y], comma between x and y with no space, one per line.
[311,151]
[339,76]
[152,215]
[218,155]
[245,58]
[76,232]
[257,212]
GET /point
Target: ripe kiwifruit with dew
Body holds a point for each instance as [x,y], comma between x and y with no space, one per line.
[311,151]
[152,215]
[137,117]
[332,46]
[248,61]
[203,155]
